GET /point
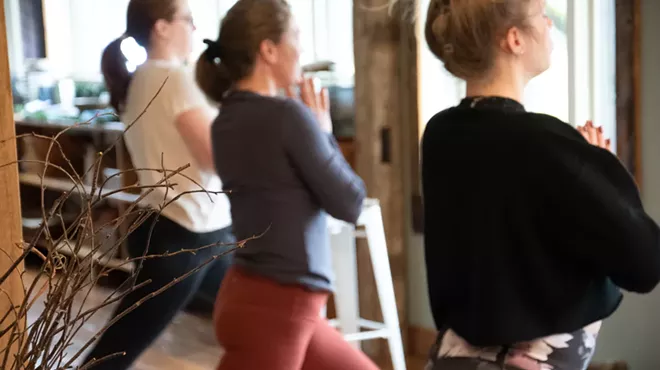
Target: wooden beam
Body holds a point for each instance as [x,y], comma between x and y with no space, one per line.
[415,129]
[11,290]
[628,85]
[385,105]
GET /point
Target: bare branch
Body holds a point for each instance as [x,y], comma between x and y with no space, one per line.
[74,258]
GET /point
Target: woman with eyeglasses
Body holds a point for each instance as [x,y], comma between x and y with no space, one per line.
[173,132]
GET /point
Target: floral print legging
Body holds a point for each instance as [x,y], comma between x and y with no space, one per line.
[557,352]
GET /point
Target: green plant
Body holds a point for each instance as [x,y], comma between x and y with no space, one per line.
[89,89]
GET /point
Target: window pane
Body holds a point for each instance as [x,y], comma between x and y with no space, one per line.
[438,88]
[92,33]
[207,21]
[604,67]
[303,12]
[225,5]
[548,92]
[339,36]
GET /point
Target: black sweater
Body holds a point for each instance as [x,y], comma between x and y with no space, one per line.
[529,230]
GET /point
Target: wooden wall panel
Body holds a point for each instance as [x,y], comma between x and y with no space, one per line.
[386,104]
[628,85]
[11,291]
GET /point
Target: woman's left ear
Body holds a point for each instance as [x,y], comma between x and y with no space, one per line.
[513,42]
[161,28]
[268,51]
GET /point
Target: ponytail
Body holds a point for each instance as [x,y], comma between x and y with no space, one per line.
[116,75]
[212,77]
[232,56]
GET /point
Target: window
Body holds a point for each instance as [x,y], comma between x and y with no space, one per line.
[548,92]
[333,37]
[604,67]
[26,36]
[579,85]
[438,88]
[76,37]
[14,37]
[89,33]
[206,15]
[32,29]
[303,11]
[592,63]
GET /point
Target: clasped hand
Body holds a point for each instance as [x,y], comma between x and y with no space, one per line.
[316,99]
[594,135]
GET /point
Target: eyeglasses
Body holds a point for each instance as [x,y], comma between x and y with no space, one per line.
[186,18]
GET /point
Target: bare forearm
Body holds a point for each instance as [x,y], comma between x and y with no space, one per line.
[194,127]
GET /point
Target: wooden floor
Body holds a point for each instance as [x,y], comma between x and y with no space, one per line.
[187,344]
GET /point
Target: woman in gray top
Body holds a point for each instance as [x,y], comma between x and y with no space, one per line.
[285,172]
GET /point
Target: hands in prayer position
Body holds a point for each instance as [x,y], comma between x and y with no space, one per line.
[594,135]
[316,99]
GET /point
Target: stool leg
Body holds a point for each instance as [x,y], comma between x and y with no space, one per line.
[344,258]
[373,223]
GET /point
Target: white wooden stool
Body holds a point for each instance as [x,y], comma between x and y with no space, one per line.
[346,295]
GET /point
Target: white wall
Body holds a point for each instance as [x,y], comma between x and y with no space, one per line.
[79,30]
[419,309]
[94,24]
[207,15]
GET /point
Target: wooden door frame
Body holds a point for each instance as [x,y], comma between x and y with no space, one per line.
[385,48]
[11,238]
[628,85]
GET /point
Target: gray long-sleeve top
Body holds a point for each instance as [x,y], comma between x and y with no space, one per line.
[284,174]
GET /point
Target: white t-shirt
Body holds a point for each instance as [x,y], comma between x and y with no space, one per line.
[154,142]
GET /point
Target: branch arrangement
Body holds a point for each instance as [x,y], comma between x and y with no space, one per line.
[44,340]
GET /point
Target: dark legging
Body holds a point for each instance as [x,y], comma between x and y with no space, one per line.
[133,333]
[457,363]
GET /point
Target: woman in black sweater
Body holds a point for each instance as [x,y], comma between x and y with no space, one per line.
[532,227]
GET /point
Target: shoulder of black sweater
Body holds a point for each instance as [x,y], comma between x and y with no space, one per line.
[605,223]
[542,132]
[526,121]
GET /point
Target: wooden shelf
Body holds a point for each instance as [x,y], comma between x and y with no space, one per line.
[56,184]
[108,127]
[81,143]
[67,247]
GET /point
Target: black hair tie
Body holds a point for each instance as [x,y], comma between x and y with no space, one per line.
[213,50]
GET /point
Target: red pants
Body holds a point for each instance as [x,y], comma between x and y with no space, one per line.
[263,325]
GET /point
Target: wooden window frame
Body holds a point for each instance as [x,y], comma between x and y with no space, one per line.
[628,85]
